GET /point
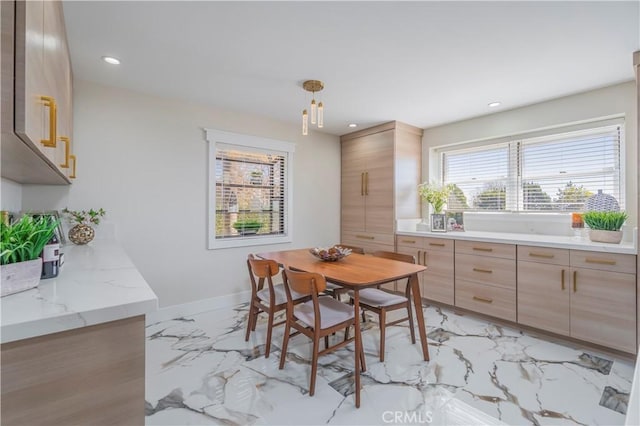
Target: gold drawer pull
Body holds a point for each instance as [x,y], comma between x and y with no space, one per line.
[542,255]
[486,271]
[365,237]
[600,261]
[482,249]
[73,172]
[409,241]
[562,280]
[482,299]
[66,142]
[437,244]
[575,281]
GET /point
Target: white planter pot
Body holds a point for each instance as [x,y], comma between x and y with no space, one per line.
[600,236]
[20,276]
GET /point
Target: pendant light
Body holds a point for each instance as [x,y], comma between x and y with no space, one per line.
[317,109]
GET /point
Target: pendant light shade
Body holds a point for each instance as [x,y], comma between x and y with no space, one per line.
[317,109]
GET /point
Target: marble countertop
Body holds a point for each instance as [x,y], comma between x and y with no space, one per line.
[98,283]
[554,241]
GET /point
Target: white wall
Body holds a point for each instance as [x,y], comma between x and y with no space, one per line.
[10,195]
[612,100]
[144,160]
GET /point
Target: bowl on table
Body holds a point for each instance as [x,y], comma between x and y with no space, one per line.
[330,254]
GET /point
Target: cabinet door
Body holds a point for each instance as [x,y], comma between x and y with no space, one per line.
[437,280]
[543,296]
[603,308]
[378,151]
[353,181]
[30,82]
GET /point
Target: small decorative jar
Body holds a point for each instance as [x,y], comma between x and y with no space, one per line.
[81,234]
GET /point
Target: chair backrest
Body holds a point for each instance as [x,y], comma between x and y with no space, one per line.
[262,268]
[354,249]
[395,256]
[304,282]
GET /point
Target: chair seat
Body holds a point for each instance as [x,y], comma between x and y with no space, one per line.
[281,296]
[332,286]
[332,312]
[376,297]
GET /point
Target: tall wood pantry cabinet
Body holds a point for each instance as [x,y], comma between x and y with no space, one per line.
[381,170]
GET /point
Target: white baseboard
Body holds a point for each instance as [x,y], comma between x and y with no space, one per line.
[192,308]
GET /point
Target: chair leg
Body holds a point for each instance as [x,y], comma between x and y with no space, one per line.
[363,364]
[383,323]
[326,341]
[255,318]
[411,328]
[285,343]
[314,364]
[267,348]
[249,321]
[346,334]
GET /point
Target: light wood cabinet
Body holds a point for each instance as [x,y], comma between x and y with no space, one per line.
[587,295]
[36,75]
[376,190]
[437,282]
[485,278]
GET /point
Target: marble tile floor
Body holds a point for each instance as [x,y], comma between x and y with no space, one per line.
[200,371]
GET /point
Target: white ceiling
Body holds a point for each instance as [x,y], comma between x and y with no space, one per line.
[423,63]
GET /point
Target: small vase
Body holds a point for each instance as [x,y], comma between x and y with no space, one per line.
[600,236]
[81,234]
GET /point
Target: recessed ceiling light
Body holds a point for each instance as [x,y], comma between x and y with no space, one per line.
[494,104]
[111,60]
[353,125]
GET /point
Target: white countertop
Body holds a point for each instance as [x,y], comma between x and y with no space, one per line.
[98,283]
[554,241]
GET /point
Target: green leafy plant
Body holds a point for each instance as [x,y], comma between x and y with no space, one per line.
[25,239]
[606,221]
[85,217]
[435,194]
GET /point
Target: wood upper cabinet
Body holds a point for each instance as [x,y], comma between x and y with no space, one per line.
[375,190]
[36,92]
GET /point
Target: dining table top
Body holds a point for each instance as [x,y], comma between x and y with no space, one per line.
[355,270]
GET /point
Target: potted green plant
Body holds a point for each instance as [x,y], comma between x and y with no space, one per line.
[82,232]
[22,244]
[248,226]
[604,226]
[437,195]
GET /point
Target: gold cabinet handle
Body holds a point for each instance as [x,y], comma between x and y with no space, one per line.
[575,281]
[51,103]
[73,173]
[600,261]
[562,279]
[366,183]
[482,299]
[365,237]
[486,271]
[66,151]
[419,257]
[362,183]
[424,255]
[482,249]
[437,244]
[409,242]
[542,255]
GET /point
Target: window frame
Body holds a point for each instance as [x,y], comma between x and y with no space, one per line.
[216,138]
[514,196]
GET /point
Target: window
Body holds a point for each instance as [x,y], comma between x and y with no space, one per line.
[249,190]
[553,172]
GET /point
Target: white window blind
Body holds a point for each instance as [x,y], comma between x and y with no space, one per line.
[555,172]
[249,190]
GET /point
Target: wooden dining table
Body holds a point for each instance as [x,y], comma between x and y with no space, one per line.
[356,272]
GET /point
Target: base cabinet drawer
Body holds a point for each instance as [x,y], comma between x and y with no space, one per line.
[486,299]
[486,270]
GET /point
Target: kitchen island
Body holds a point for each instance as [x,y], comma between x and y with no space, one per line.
[73,349]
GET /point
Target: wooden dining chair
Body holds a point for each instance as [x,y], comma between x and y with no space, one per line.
[381,301]
[270,299]
[317,318]
[336,290]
